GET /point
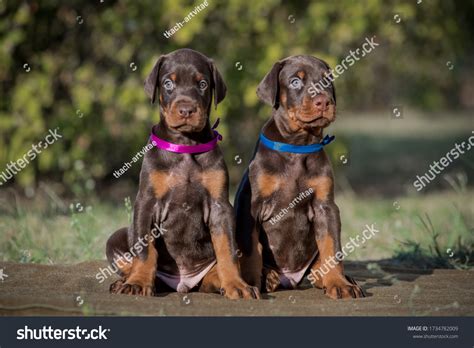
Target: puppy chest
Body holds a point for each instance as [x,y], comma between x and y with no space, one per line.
[188,186]
[283,189]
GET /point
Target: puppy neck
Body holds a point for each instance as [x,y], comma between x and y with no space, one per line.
[281,128]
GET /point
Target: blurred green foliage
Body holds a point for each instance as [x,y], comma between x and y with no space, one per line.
[80,78]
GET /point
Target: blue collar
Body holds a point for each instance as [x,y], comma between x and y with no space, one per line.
[282,147]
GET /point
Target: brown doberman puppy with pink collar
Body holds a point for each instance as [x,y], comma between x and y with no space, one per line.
[183,192]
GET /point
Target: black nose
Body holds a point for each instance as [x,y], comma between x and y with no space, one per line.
[186,110]
[321,102]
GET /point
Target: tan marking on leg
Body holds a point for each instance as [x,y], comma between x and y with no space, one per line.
[325,266]
[144,272]
[268,183]
[335,284]
[327,250]
[333,280]
[210,282]
[322,185]
[215,182]
[316,273]
[227,267]
[123,265]
[331,273]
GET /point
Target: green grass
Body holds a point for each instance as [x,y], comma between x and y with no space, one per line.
[433,230]
[32,232]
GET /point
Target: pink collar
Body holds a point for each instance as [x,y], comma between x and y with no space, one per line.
[206,147]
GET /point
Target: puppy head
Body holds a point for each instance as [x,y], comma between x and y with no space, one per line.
[288,85]
[186,81]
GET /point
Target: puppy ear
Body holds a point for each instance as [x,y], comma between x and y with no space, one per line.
[269,88]
[218,86]
[151,82]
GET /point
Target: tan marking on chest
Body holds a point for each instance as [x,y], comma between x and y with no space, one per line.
[322,185]
[162,182]
[268,183]
[214,181]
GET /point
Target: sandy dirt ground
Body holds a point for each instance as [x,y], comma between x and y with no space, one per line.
[30,289]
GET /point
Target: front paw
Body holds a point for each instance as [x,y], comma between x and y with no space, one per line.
[343,287]
[237,289]
[271,279]
[116,286]
[131,287]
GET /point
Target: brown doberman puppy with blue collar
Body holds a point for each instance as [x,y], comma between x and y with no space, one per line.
[183,231]
[288,224]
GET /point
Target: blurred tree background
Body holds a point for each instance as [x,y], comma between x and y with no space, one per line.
[80,66]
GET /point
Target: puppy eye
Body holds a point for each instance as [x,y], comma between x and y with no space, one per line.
[168,84]
[202,84]
[295,82]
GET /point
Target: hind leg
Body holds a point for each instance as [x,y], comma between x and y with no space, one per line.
[117,246]
[138,276]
